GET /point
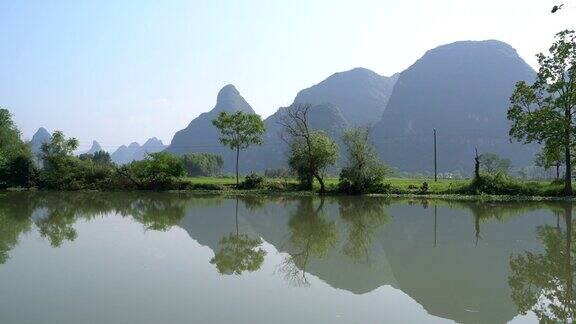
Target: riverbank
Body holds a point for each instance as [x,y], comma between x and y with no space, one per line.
[488,190]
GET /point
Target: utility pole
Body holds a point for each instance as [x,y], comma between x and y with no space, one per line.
[435,163]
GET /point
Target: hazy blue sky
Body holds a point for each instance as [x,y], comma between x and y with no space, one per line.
[122,71]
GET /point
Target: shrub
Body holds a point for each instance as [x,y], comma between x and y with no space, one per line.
[252,181]
[497,184]
[156,171]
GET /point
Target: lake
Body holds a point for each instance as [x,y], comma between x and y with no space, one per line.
[183,258]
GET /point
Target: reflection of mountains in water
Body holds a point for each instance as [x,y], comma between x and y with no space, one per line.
[456,265]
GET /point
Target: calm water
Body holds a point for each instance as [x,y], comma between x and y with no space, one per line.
[172,258]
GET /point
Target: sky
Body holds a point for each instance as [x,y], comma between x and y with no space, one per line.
[124,71]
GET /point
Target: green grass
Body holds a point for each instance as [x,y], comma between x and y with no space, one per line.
[492,186]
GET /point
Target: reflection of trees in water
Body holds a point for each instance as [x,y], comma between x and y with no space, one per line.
[14,220]
[544,283]
[311,235]
[238,252]
[58,212]
[364,217]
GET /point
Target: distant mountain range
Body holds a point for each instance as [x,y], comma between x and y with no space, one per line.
[461,89]
[136,152]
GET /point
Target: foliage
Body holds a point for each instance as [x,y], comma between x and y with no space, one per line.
[550,156]
[64,171]
[202,164]
[16,162]
[497,184]
[252,181]
[365,171]
[311,152]
[493,163]
[544,111]
[278,173]
[156,171]
[99,158]
[310,157]
[238,131]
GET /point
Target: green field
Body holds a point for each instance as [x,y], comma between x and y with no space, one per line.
[405,185]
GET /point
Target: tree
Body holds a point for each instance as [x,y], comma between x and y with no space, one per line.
[364,170]
[59,147]
[544,111]
[311,152]
[16,161]
[238,131]
[493,163]
[550,156]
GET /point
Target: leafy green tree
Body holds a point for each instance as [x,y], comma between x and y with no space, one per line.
[59,147]
[238,131]
[544,111]
[364,170]
[16,161]
[550,156]
[493,163]
[202,164]
[311,152]
[238,252]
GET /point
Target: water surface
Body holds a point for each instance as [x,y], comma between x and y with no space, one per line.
[180,258]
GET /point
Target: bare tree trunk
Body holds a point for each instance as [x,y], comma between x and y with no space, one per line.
[321,181]
[477,166]
[237,158]
[557,171]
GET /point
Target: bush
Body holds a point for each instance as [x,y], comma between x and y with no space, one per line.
[71,173]
[157,171]
[497,184]
[252,181]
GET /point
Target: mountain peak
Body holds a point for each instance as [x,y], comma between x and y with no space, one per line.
[360,94]
[134,145]
[95,148]
[153,142]
[42,133]
[229,99]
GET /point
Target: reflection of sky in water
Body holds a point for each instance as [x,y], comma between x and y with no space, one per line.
[118,271]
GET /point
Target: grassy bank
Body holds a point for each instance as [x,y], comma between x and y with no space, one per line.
[487,186]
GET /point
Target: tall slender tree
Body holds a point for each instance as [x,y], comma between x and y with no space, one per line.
[238,131]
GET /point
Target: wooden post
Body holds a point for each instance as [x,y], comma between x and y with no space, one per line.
[435,160]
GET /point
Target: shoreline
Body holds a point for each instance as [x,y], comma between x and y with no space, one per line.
[270,193]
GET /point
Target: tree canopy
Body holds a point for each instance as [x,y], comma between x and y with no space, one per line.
[544,111]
